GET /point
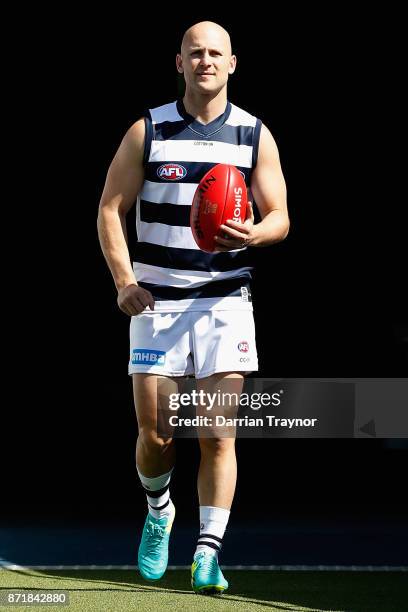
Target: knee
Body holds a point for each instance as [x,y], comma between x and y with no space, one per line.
[154,443]
[217,445]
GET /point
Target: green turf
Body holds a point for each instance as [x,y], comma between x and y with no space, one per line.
[123,590]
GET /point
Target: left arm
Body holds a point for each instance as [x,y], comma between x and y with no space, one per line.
[269,190]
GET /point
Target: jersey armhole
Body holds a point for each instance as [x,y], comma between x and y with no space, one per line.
[255,149]
[148,137]
[255,142]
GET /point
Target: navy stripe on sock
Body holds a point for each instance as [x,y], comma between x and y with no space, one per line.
[156,493]
[159,507]
[209,535]
[210,544]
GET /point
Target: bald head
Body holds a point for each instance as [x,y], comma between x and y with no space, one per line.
[206,31]
[206,59]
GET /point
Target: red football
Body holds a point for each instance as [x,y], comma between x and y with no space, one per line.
[220,195]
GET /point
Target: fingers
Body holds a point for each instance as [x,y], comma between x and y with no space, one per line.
[150,301]
[221,249]
[242,228]
[147,299]
[131,307]
[250,212]
[141,298]
[234,235]
[124,309]
[225,244]
[233,231]
[228,242]
[134,300]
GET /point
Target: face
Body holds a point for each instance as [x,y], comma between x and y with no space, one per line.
[205,59]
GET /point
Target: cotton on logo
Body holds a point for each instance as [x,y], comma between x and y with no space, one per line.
[171,172]
[243,347]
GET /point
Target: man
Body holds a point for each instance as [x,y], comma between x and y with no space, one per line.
[190,311]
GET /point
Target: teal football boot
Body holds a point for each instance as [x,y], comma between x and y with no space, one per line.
[206,576]
[153,552]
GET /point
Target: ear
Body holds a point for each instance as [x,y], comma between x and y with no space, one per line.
[232,64]
[179,63]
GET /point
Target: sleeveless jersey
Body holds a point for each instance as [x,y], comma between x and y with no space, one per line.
[179,150]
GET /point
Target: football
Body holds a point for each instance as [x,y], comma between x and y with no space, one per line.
[220,195]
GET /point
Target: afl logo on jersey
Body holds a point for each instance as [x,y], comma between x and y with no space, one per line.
[171,172]
[243,347]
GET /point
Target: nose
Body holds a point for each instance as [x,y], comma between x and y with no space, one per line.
[205,59]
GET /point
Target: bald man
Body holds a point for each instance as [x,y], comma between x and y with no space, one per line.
[191,311]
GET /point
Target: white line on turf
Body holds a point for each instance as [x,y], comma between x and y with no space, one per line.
[285,568]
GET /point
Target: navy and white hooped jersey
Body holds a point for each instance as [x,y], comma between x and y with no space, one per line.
[179,150]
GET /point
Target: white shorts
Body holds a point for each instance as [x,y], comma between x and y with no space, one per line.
[193,342]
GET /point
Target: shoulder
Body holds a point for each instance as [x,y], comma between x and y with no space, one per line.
[136,133]
[267,143]
[134,140]
[131,148]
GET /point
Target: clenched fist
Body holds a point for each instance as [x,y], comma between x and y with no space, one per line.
[132,300]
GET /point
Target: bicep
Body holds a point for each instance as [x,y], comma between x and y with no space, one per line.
[126,172]
[267,181]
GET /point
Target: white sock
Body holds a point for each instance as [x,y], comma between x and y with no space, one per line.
[213,522]
[158,494]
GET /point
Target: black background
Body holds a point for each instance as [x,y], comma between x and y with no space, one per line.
[329,300]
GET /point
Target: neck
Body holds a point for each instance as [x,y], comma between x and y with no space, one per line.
[205,108]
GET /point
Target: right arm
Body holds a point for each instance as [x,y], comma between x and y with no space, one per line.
[123,183]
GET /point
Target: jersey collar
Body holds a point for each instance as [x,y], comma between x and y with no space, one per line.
[200,128]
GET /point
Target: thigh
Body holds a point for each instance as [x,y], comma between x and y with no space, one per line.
[222,393]
[151,394]
[221,382]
